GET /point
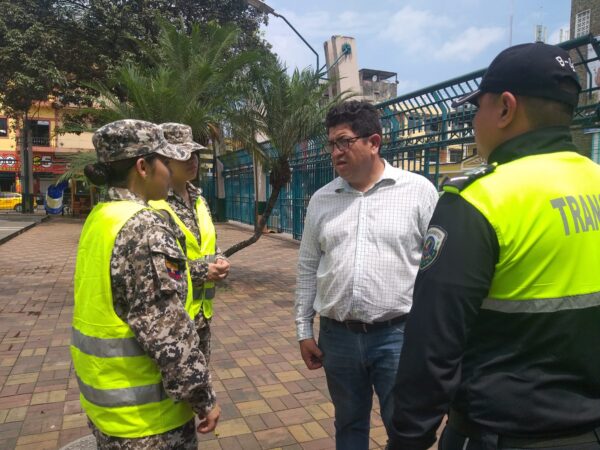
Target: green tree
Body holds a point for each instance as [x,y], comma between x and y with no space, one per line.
[29,69]
[191,79]
[288,109]
[53,48]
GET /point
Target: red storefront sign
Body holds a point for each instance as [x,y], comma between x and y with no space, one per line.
[9,162]
[43,162]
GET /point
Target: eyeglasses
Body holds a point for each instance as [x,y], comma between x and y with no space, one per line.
[343,144]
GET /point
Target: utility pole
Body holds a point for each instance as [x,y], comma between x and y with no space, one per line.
[26,167]
[266,9]
[510,22]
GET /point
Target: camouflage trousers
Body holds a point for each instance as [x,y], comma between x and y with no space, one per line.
[182,438]
[203,329]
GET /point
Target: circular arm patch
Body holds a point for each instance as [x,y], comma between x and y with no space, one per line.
[434,241]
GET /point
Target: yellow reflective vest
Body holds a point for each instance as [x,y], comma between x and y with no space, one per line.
[204,250]
[545,211]
[121,386]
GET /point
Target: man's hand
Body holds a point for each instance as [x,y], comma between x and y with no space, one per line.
[218,270]
[311,354]
[209,422]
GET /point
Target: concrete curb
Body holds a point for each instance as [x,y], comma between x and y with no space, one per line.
[23,230]
[84,443]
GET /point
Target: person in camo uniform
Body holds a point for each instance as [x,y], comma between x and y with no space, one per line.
[191,213]
[136,353]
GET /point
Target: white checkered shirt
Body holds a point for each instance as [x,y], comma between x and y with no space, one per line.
[360,251]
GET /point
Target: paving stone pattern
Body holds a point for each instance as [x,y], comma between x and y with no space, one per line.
[268,397]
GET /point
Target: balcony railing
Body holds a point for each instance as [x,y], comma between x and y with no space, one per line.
[40,141]
[37,141]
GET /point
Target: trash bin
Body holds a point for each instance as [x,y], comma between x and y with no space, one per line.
[54,198]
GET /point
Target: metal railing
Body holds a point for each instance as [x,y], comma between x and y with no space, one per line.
[421,133]
[238,171]
[39,141]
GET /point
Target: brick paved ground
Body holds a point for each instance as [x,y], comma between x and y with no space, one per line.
[269,399]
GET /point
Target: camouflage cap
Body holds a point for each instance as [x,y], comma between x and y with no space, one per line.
[131,138]
[181,135]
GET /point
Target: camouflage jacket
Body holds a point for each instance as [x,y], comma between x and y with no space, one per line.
[149,290]
[198,269]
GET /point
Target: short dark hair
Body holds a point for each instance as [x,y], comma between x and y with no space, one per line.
[361,116]
[543,112]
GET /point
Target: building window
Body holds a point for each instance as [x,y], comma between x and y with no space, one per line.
[455,156]
[3,127]
[582,23]
[40,132]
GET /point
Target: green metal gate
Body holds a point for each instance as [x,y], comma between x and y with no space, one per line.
[421,133]
[238,172]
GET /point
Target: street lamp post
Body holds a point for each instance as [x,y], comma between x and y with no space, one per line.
[266,9]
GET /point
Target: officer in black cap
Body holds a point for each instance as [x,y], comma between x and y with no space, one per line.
[504,328]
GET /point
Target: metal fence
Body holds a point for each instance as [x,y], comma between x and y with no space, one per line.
[208,186]
[421,133]
[311,169]
[238,172]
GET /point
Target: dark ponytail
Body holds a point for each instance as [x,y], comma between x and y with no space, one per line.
[97,173]
[114,173]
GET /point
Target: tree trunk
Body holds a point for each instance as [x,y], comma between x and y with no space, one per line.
[259,226]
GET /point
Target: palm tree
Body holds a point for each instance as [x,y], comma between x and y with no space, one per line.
[190,80]
[288,109]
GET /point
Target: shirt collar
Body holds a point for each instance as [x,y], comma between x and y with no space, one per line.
[117,193]
[389,175]
[195,193]
[542,140]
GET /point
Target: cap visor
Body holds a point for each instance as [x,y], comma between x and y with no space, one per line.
[173,152]
[469,98]
[189,148]
[193,146]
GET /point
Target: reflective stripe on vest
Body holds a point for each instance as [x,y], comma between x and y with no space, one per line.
[543,305]
[547,258]
[132,396]
[205,250]
[106,348]
[121,386]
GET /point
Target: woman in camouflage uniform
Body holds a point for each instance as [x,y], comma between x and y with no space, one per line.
[186,204]
[148,286]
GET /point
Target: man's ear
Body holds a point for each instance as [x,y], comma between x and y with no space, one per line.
[142,167]
[375,140]
[508,104]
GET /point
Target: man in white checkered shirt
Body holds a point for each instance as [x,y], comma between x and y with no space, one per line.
[358,260]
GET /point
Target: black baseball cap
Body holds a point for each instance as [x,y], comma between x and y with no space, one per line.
[532,70]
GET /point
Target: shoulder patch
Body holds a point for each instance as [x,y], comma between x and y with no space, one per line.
[173,269]
[457,184]
[432,247]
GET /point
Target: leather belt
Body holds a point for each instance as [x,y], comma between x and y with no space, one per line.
[464,426]
[356,326]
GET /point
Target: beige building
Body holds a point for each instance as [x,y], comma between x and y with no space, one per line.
[369,84]
[585,20]
[48,148]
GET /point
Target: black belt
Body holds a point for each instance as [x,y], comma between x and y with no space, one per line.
[356,326]
[464,426]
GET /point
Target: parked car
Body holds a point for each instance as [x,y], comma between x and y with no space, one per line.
[13,200]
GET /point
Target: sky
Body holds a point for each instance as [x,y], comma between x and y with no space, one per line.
[424,41]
